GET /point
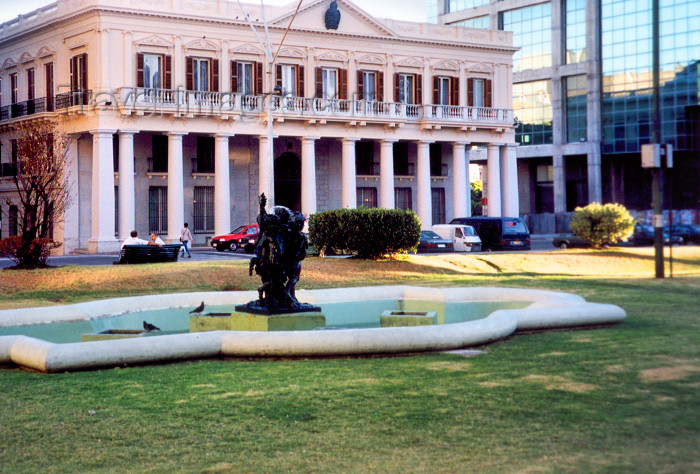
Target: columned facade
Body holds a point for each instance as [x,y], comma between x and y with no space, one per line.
[308,176]
[386,174]
[102,237]
[176,193]
[222,184]
[127,204]
[349,174]
[424,209]
[461,187]
[493,183]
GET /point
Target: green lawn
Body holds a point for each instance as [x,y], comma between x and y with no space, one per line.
[623,398]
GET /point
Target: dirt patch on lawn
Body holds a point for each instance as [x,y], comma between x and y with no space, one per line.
[668,374]
[560,383]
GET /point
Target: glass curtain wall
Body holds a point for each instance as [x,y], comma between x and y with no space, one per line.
[576,96]
[532,106]
[532,33]
[575,31]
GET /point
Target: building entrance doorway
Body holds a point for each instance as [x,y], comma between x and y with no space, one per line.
[288,181]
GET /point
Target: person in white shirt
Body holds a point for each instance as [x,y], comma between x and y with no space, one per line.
[134,240]
[156,240]
[185,238]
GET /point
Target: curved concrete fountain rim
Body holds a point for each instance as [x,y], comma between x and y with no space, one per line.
[547,309]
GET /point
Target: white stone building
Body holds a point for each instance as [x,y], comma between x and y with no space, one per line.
[166,105]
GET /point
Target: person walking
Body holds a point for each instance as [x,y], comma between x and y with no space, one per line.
[185,238]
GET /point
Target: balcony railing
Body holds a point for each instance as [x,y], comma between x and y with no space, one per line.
[73,98]
[28,107]
[8,169]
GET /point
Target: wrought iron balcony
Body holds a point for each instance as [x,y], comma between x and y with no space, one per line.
[28,107]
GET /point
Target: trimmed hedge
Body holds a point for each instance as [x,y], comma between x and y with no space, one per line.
[602,224]
[371,233]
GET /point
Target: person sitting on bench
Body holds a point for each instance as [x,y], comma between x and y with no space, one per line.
[157,240]
[134,240]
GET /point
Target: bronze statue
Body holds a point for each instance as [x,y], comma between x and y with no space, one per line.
[332,16]
[277,259]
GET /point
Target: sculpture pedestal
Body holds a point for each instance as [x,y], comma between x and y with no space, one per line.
[390,319]
[244,321]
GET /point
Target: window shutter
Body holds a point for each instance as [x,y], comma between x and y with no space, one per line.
[84,73]
[487,93]
[319,82]
[454,84]
[419,89]
[234,77]
[258,78]
[278,81]
[139,70]
[343,80]
[436,90]
[168,73]
[214,75]
[73,80]
[189,73]
[379,93]
[470,92]
[300,82]
[397,88]
[360,85]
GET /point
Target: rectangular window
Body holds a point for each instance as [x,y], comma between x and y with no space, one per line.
[30,84]
[329,78]
[576,98]
[532,33]
[203,209]
[289,80]
[14,91]
[152,71]
[443,91]
[403,199]
[478,92]
[78,72]
[158,209]
[544,188]
[369,81]
[401,165]
[367,197]
[436,168]
[407,88]
[438,201]
[200,71]
[205,155]
[532,108]
[48,68]
[246,78]
[575,24]
[159,149]
[364,159]
[13,221]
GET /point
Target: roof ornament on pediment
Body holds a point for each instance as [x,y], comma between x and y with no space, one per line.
[371,59]
[410,62]
[290,53]
[247,48]
[44,51]
[447,65]
[154,40]
[26,58]
[481,67]
[202,45]
[9,63]
[332,56]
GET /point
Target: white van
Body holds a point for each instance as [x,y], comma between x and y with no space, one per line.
[464,237]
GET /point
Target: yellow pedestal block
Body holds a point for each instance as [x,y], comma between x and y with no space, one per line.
[390,319]
[257,322]
[112,334]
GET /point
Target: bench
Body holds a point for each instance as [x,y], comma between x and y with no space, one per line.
[149,253]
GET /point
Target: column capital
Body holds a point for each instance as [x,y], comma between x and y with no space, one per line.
[512,145]
[102,131]
[425,142]
[222,135]
[310,138]
[176,134]
[495,144]
[461,143]
[350,139]
[128,132]
[388,141]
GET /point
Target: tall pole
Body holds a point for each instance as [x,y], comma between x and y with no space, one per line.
[657,178]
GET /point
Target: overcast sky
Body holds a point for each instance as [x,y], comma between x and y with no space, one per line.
[412,10]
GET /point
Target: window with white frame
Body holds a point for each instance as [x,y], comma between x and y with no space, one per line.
[478,92]
[246,79]
[329,78]
[407,88]
[200,71]
[152,71]
[203,209]
[14,91]
[158,209]
[443,84]
[289,79]
[369,81]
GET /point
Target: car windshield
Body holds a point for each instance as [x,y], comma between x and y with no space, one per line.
[468,231]
[515,226]
[646,228]
[238,230]
[429,234]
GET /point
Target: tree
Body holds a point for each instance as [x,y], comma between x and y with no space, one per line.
[477,194]
[41,183]
[602,224]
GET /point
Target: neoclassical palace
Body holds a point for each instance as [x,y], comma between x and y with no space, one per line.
[175,114]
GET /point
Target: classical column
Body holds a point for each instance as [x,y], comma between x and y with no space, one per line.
[461,188]
[558,170]
[493,191]
[425,205]
[349,174]
[127,198]
[510,203]
[386,174]
[595,183]
[266,170]
[308,176]
[222,184]
[102,237]
[176,191]
[71,220]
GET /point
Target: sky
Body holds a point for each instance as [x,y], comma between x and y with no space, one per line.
[411,10]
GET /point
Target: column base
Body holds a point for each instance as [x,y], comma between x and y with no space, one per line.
[103,245]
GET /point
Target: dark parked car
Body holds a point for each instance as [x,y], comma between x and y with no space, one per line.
[566,241]
[431,242]
[644,235]
[499,233]
[690,233]
[241,237]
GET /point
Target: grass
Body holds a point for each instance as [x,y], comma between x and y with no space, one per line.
[616,399]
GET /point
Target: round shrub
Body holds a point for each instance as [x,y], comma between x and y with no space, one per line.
[602,224]
[371,233]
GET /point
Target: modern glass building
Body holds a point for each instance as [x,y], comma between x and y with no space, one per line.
[582,98]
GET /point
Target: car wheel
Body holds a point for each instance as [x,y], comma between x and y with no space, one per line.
[563,245]
[220,248]
[233,246]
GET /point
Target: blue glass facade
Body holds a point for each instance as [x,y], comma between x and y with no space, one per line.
[575,26]
[532,33]
[479,22]
[627,62]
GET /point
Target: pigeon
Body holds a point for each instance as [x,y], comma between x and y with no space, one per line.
[198,309]
[150,327]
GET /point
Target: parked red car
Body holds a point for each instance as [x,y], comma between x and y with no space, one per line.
[238,238]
